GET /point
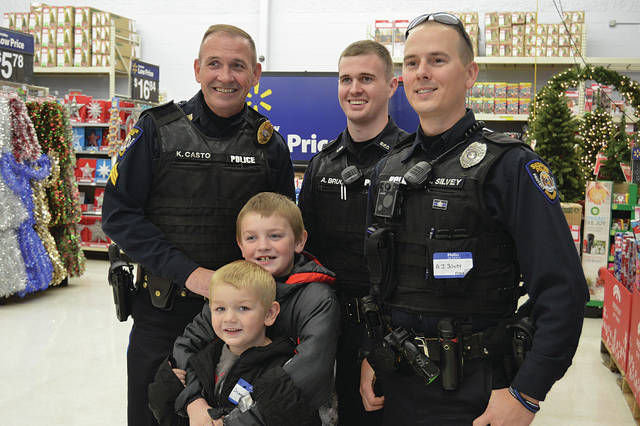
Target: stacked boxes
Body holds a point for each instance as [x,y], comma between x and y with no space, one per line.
[470,21]
[519,34]
[67,36]
[500,98]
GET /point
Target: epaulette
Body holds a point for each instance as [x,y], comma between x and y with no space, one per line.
[501,138]
[164,114]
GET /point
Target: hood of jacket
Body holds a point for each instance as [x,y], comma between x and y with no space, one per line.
[306,270]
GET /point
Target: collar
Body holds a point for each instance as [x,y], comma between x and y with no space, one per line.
[346,143]
[450,136]
[207,120]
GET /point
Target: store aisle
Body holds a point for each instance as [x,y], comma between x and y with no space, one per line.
[63,362]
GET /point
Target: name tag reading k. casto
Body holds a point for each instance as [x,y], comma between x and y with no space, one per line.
[452,265]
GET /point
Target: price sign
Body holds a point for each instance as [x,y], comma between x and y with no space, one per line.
[144,81]
[16,56]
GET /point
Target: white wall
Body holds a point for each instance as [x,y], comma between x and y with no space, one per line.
[309,35]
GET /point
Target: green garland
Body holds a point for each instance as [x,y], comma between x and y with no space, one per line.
[553,93]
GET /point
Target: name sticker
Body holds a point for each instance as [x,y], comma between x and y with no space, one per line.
[239,391]
[452,265]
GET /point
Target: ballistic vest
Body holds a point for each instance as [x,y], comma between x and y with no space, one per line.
[340,212]
[451,256]
[201,183]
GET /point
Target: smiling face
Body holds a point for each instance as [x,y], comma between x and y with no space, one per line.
[435,78]
[269,242]
[226,72]
[239,318]
[363,88]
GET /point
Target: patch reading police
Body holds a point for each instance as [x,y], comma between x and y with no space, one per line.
[264,132]
[473,154]
[543,180]
[132,137]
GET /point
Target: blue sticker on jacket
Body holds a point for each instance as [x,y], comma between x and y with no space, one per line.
[543,180]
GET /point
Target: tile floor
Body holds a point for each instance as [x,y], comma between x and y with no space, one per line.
[63,363]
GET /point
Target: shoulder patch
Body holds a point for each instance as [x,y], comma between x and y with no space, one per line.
[132,137]
[543,180]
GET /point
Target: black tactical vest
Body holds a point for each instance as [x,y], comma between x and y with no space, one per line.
[341,213]
[201,183]
[451,257]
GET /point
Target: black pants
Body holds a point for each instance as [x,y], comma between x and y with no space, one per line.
[150,341]
[351,412]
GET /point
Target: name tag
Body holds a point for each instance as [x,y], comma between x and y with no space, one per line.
[240,391]
[452,265]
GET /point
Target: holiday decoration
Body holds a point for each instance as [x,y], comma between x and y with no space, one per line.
[596,129]
[547,98]
[618,153]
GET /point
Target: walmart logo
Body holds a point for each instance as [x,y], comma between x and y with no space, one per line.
[257,102]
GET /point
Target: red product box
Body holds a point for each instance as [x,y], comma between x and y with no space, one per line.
[79,104]
[98,197]
[85,171]
[633,360]
[616,318]
[91,232]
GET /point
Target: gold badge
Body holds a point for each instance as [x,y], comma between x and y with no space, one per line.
[473,154]
[264,132]
[543,179]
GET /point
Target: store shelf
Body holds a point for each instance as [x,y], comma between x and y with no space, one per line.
[104,248]
[623,207]
[97,184]
[502,117]
[89,124]
[77,70]
[97,153]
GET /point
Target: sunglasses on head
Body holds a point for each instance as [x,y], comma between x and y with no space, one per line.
[441,18]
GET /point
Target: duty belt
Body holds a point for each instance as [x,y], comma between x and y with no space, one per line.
[183,293]
[472,346]
[350,307]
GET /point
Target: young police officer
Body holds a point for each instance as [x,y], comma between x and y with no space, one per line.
[174,194]
[333,204]
[466,212]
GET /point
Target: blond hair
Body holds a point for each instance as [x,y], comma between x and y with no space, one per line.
[267,204]
[232,31]
[245,275]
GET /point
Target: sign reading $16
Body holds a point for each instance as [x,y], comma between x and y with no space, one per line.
[144,81]
[16,56]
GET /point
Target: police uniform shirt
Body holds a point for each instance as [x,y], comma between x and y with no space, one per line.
[547,256]
[360,154]
[123,209]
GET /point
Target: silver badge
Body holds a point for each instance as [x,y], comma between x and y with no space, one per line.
[473,154]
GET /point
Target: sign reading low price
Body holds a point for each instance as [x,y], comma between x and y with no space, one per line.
[144,81]
[16,56]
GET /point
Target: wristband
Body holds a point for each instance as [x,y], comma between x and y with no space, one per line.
[531,406]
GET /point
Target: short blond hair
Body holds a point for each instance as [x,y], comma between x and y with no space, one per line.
[245,275]
[266,204]
[232,31]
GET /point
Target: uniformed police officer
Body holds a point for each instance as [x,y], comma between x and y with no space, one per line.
[333,205]
[173,196]
[467,212]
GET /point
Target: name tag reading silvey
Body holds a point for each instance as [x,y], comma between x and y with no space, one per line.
[452,265]
[241,395]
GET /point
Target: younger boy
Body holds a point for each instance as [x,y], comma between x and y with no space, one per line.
[270,232]
[235,368]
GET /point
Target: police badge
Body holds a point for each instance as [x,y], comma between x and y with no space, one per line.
[473,154]
[264,132]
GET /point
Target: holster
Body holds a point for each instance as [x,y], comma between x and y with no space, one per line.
[162,290]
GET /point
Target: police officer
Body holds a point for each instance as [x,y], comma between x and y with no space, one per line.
[174,193]
[468,212]
[333,204]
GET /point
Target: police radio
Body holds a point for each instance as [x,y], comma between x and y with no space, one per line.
[351,175]
[418,175]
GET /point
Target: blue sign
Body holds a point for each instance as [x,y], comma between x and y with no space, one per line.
[145,70]
[16,56]
[144,81]
[304,108]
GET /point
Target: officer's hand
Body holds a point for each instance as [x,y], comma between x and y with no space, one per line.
[199,281]
[370,401]
[504,409]
[180,374]
[198,414]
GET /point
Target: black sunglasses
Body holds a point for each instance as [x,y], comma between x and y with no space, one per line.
[441,18]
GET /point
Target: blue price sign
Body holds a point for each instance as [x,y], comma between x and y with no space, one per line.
[144,81]
[16,56]
[304,108]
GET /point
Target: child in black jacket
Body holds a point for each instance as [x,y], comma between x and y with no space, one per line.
[242,366]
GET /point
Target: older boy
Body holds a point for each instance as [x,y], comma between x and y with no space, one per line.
[270,232]
[242,366]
